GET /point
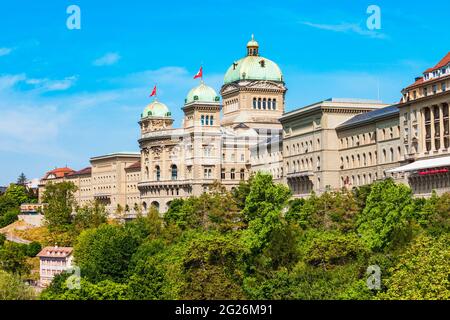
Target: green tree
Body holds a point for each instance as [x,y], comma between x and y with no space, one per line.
[104,253]
[2,239]
[211,267]
[13,288]
[33,249]
[90,215]
[21,180]
[14,196]
[9,217]
[104,290]
[262,210]
[435,214]
[422,271]
[386,219]
[329,211]
[215,210]
[241,192]
[13,258]
[60,202]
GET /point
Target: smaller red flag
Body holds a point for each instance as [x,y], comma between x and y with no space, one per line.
[153,92]
[199,73]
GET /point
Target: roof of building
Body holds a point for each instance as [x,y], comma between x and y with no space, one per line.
[55,252]
[419,81]
[59,172]
[445,61]
[85,171]
[202,93]
[118,154]
[343,103]
[136,165]
[253,68]
[423,164]
[156,109]
[370,116]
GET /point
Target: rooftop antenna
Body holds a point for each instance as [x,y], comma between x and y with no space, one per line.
[378,89]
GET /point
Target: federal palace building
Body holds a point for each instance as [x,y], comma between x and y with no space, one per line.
[227,136]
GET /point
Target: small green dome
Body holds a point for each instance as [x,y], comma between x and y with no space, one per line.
[156,109]
[253,68]
[202,93]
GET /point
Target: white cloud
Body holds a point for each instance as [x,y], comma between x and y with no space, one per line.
[347,28]
[5,51]
[107,60]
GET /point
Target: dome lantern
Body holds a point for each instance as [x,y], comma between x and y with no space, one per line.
[253,47]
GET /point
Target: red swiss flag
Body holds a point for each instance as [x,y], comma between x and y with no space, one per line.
[199,73]
[153,92]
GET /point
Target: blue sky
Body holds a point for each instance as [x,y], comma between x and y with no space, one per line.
[68,95]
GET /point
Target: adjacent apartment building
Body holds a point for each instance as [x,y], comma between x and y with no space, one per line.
[53,261]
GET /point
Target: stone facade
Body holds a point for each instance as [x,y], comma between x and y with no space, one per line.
[329,145]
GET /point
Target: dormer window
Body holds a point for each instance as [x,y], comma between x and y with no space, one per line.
[262,63]
[234,65]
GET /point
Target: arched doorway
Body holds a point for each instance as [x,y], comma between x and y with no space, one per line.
[155,204]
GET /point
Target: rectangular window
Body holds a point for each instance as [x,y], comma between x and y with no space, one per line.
[222,174]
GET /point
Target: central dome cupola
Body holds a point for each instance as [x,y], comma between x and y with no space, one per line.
[252,47]
[253,92]
[253,67]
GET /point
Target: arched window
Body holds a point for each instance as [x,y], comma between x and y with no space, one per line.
[259,103]
[254,103]
[274,104]
[392,155]
[207,120]
[155,204]
[147,173]
[264,103]
[157,173]
[211,120]
[269,104]
[202,121]
[242,174]
[174,172]
[384,156]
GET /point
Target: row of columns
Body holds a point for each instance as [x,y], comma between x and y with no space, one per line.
[433,127]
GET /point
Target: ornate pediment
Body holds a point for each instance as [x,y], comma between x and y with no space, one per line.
[229,87]
[253,85]
[266,85]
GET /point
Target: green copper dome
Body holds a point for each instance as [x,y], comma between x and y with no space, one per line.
[253,68]
[156,109]
[202,93]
